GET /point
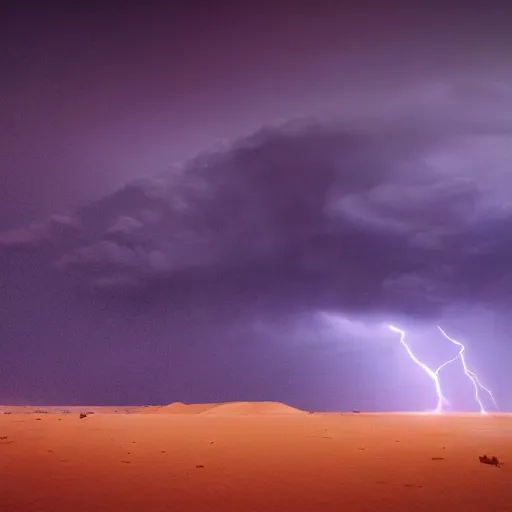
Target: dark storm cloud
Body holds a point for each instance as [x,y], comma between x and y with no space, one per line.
[308,215]
[54,227]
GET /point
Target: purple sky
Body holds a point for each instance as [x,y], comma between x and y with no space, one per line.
[208,202]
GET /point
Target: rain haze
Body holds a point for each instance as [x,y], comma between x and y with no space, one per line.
[205,202]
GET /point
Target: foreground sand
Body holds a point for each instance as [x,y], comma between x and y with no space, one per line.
[247,460]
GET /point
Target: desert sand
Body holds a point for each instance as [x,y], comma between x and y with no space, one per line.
[250,457]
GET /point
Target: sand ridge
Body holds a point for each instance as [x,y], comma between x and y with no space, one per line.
[224,409]
[252,408]
[181,408]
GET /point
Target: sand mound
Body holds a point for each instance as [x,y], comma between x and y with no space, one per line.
[253,408]
[181,408]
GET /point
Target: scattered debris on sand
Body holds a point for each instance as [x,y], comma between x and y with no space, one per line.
[491,461]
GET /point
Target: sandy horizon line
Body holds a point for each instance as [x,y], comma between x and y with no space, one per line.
[240,407]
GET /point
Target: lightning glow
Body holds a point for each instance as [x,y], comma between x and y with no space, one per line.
[470,374]
[434,375]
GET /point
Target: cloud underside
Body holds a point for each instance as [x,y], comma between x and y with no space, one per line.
[402,215]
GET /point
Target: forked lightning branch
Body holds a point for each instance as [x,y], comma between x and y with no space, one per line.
[434,374]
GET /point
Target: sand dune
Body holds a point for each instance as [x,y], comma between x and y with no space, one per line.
[181,408]
[252,408]
[252,462]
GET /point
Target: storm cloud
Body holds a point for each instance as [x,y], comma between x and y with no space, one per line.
[312,214]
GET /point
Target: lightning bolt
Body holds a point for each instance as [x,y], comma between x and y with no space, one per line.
[472,376]
[434,375]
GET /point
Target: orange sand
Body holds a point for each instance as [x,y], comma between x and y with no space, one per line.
[250,457]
